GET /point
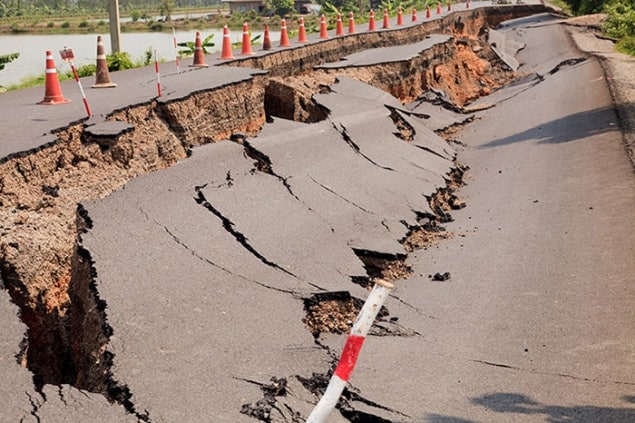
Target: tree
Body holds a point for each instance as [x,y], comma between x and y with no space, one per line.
[583,7]
[339,5]
[281,7]
[166,8]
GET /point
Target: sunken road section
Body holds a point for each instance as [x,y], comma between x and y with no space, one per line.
[50,275]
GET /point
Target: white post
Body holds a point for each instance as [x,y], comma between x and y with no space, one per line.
[348,358]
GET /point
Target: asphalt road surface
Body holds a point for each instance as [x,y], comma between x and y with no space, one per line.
[535,324]
[204,267]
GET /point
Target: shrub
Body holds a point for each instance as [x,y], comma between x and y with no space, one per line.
[86,70]
[66,24]
[119,61]
[620,21]
[82,71]
[148,56]
[83,24]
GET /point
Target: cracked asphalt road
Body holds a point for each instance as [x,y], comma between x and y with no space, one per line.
[536,323]
[209,293]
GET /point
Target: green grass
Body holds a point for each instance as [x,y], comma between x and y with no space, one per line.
[28,82]
[119,61]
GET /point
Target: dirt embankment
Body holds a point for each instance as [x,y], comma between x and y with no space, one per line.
[39,191]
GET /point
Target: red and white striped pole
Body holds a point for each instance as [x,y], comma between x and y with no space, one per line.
[156,68]
[81,89]
[68,56]
[353,346]
[176,52]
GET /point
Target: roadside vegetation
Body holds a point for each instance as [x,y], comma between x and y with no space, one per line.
[620,21]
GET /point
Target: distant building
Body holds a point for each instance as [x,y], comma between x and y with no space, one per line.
[305,6]
[242,6]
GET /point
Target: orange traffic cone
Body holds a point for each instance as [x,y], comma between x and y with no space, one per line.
[351,23]
[102,77]
[428,13]
[323,30]
[302,31]
[246,45]
[399,17]
[339,28]
[226,52]
[414,15]
[284,37]
[199,56]
[52,90]
[266,39]
[386,23]
[371,21]
[438,8]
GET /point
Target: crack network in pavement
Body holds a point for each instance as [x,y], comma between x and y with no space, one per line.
[346,137]
[568,376]
[230,227]
[263,164]
[338,195]
[35,406]
[194,253]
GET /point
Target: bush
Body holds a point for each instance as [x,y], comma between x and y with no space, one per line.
[86,70]
[83,24]
[66,24]
[620,24]
[119,61]
[50,25]
[148,56]
[621,20]
[626,45]
[82,71]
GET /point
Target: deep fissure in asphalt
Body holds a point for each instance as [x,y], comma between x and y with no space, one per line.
[66,343]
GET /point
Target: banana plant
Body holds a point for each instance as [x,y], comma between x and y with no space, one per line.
[191,45]
[252,40]
[8,58]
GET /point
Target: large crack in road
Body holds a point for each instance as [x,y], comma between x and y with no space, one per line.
[68,335]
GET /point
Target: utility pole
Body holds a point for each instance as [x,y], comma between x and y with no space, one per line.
[115,30]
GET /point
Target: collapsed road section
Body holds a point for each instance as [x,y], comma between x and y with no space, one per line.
[356,179]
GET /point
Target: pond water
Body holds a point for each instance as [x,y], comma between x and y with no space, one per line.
[32,49]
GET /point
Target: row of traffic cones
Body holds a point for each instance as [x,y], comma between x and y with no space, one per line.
[53,92]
